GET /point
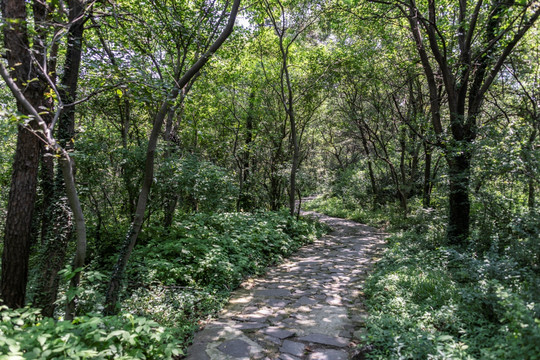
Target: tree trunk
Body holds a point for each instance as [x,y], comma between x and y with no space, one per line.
[531,201]
[244,198]
[54,254]
[80,226]
[22,193]
[294,167]
[370,167]
[459,169]
[426,198]
[22,196]
[289,108]
[115,284]
[46,184]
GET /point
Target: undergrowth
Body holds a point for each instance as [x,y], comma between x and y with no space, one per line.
[383,216]
[427,300]
[177,278]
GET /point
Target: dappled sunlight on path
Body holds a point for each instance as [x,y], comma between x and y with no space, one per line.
[309,307]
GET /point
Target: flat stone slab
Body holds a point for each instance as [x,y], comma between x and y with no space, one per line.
[273,292]
[236,348]
[251,318]
[250,326]
[277,303]
[329,354]
[279,333]
[293,348]
[304,300]
[325,340]
[288,357]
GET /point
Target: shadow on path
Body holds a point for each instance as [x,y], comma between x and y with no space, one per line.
[309,307]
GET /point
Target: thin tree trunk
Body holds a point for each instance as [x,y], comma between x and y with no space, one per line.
[46,177]
[243,198]
[292,120]
[370,167]
[426,198]
[115,283]
[54,254]
[80,228]
[531,201]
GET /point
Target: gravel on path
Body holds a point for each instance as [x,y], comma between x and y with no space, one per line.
[309,307]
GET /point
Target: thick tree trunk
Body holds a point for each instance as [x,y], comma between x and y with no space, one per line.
[459,169]
[22,194]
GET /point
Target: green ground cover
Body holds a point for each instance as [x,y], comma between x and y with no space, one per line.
[427,300]
[178,277]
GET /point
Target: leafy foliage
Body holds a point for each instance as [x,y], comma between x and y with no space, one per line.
[200,184]
[177,278]
[24,334]
[217,251]
[432,301]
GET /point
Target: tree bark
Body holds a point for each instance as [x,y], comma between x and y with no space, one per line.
[426,198]
[22,193]
[531,193]
[245,164]
[59,211]
[459,168]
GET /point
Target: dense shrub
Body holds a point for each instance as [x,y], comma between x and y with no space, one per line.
[201,185]
[428,302]
[218,250]
[177,277]
[25,335]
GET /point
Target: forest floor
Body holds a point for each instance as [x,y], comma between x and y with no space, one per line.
[309,307]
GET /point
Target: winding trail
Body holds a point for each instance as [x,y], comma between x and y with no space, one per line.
[309,307]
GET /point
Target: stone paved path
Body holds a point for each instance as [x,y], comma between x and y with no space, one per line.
[309,307]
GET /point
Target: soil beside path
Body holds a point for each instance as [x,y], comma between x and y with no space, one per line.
[309,307]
